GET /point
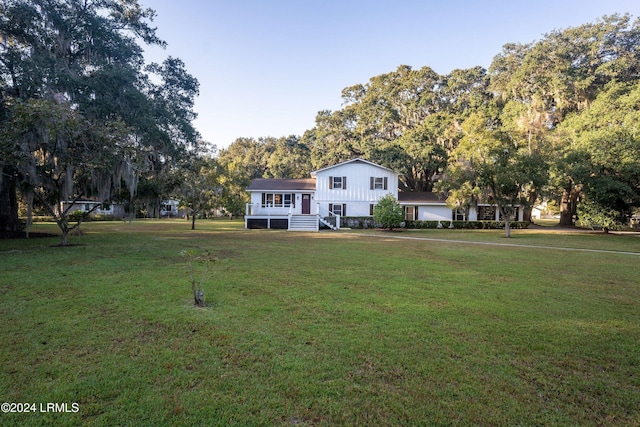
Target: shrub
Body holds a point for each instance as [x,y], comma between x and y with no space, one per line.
[78,215]
[469,225]
[358,222]
[388,212]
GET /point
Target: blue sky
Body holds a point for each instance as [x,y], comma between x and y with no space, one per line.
[267,67]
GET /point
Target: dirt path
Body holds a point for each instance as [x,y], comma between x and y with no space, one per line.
[513,245]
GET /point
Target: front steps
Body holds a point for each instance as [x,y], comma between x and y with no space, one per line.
[303,223]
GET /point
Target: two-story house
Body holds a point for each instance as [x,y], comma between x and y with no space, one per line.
[351,188]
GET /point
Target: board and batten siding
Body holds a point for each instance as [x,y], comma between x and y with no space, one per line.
[358,194]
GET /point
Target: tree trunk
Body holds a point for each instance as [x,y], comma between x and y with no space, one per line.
[198,297]
[9,221]
[568,205]
[64,238]
[507,222]
[533,196]
[193,221]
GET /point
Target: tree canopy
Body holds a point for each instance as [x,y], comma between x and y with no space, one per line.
[552,119]
[81,113]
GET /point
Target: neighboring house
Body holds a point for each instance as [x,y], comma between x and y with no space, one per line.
[169,209]
[351,188]
[115,210]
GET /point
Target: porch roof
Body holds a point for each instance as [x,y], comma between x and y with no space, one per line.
[421,197]
[282,184]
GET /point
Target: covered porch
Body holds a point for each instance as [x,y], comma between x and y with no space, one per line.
[270,217]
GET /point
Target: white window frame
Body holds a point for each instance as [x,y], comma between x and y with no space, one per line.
[459,214]
[409,213]
[336,209]
[278,200]
[337,183]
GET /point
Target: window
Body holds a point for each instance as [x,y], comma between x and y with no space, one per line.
[378,183]
[486,213]
[277,200]
[459,215]
[337,182]
[410,213]
[336,209]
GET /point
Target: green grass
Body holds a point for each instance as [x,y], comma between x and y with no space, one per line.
[321,328]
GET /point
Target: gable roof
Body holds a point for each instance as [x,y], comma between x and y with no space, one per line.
[357,160]
[421,197]
[282,184]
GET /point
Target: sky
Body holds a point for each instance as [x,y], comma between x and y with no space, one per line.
[267,67]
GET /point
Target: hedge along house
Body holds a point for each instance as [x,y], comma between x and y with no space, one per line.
[348,189]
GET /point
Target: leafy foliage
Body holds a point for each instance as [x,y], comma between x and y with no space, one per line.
[81,116]
[199,188]
[547,120]
[388,212]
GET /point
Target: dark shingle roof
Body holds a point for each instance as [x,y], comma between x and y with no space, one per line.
[420,197]
[281,184]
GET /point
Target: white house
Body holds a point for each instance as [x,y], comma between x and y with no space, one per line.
[279,203]
[115,210]
[351,188]
[169,208]
[429,206]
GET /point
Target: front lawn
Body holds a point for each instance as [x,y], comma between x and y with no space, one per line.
[330,328]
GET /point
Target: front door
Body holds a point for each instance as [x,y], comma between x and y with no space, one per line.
[306,204]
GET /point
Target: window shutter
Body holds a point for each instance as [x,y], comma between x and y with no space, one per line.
[415,214]
[263,199]
[371,209]
[330,209]
[371,183]
[330,182]
[344,209]
[344,182]
[385,182]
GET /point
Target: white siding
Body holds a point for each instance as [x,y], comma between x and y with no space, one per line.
[358,195]
[434,213]
[256,207]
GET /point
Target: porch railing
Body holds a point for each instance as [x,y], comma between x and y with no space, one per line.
[329,213]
